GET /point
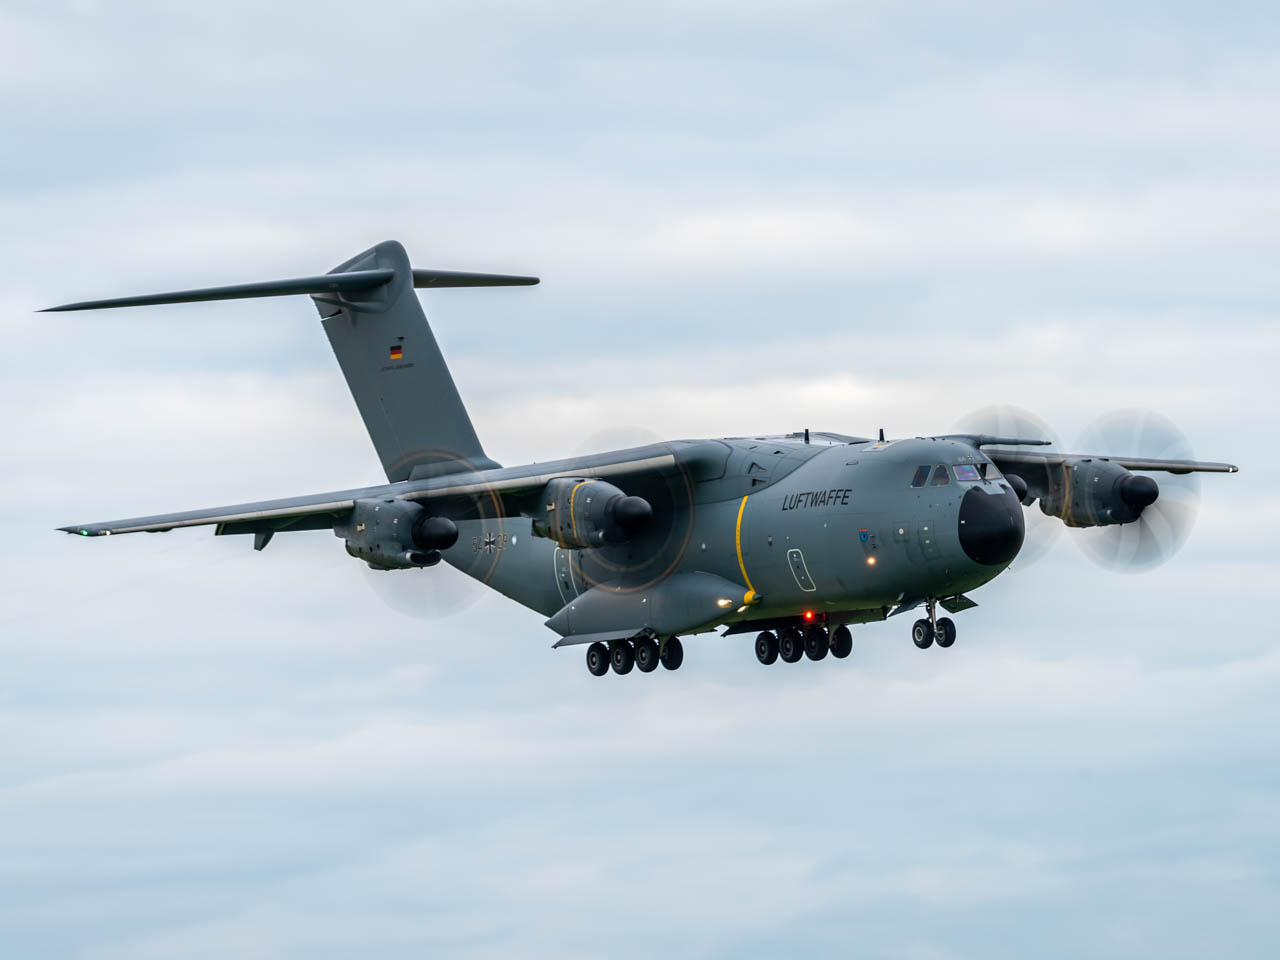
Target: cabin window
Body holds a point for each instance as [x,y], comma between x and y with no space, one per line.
[921,477]
[940,476]
[967,471]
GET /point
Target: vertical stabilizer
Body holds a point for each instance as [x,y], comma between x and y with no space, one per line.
[396,373]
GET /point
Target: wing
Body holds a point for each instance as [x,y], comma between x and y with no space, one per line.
[514,487]
[1032,459]
[300,513]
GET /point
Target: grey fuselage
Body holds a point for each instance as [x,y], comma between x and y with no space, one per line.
[828,528]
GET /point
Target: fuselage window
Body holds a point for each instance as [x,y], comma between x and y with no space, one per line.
[940,476]
[921,477]
[967,471]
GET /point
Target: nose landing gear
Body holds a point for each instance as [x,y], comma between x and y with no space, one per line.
[942,629]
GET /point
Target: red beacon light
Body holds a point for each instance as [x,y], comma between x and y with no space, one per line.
[808,614]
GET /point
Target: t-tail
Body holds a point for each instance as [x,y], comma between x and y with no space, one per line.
[388,354]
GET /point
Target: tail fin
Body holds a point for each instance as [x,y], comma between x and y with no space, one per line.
[387,352]
[395,370]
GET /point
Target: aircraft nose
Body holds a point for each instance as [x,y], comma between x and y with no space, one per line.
[991,527]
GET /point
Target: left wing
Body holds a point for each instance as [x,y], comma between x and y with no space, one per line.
[512,485]
[291,511]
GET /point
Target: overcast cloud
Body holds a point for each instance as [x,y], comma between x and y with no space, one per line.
[746,217]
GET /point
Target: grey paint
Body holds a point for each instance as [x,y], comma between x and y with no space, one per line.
[746,531]
[408,400]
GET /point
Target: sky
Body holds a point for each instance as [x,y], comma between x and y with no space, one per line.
[746,217]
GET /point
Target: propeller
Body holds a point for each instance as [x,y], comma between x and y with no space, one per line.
[1168,501]
[1004,420]
[424,593]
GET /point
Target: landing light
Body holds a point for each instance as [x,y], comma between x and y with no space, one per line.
[871,561]
[722,602]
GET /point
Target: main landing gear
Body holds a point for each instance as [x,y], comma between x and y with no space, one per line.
[815,643]
[644,654]
[925,631]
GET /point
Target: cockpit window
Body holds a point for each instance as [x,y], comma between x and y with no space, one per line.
[921,477]
[967,471]
[940,476]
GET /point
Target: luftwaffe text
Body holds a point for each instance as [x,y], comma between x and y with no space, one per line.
[816,498]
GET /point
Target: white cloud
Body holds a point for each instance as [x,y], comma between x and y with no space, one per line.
[841,219]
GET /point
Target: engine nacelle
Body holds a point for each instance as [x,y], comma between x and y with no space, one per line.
[581,514]
[396,534]
[1097,493]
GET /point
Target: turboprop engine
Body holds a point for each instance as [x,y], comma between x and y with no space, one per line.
[588,513]
[395,534]
[1096,493]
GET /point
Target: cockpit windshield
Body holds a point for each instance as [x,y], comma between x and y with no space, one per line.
[966,471]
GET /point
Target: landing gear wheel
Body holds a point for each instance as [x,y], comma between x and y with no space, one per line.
[790,645]
[922,634]
[622,657]
[672,653]
[946,632]
[841,642]
[816,642]
[766,648]
[646,655]
[598,659]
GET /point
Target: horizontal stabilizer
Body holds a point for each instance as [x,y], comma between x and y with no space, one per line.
[328,283]
[352,281]
[455,278]
[986,439]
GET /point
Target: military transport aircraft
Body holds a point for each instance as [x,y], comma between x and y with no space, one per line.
[792,538]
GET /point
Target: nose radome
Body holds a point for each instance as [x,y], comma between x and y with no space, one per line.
[991,526]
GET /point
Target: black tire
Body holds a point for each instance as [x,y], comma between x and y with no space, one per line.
[766,648]
[922,634]
[816,642]
[790,645]
[646,655]
[841,642]
[672,653]
[598,659]
[622,657]
[946,632]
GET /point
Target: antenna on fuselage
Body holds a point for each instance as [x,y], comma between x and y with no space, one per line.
[882,434]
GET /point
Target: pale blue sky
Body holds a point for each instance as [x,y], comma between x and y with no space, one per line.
[747,217]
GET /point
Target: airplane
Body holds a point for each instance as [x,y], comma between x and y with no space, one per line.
[794,538]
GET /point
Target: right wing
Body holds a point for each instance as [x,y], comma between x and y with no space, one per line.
[1015,458]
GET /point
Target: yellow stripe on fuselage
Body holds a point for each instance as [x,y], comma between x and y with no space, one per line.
[738,537]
